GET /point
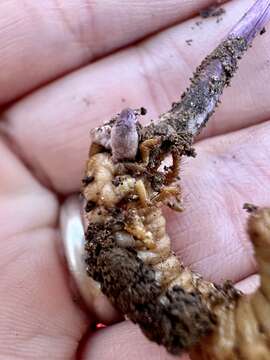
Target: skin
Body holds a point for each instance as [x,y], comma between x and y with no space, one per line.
[50,99]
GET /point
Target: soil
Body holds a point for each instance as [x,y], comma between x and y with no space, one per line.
[189,41]
[175,319]
[212,11]
[263,31]
[250,208]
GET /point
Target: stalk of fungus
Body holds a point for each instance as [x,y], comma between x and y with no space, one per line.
[128,250]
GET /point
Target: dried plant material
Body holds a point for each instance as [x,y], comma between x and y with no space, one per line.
[128,250]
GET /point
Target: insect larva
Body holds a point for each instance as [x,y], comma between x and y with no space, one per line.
[241,324]
[123,224]
[244,326]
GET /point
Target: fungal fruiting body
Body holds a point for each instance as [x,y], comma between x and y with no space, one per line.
[128,249]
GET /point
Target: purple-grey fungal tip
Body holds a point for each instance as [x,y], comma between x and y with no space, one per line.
[124,136]
[253,21]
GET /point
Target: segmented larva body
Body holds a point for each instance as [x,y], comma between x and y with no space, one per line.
[239,325]
[145,227]
[243,330]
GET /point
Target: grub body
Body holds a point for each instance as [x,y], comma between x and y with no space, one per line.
[173,306]
[244,326]
[138,271]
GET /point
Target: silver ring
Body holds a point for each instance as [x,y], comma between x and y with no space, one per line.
[73,241]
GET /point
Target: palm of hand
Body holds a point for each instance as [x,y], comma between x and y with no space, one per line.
[44,141]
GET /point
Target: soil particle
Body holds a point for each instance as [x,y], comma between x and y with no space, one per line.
[87,180]
[116,181]
[143,111]
[189,42]
[90,206]
[86,101]
[212,11]
[250,208]
[263,31]
[219,19]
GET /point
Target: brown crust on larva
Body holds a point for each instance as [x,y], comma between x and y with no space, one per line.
[175,319]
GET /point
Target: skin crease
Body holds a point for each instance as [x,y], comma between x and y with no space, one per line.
[50,126]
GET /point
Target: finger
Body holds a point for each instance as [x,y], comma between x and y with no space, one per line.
[249,285]
[40,41]
[124,341]
[229,171]
[37,313]
[20,193]
[54,124]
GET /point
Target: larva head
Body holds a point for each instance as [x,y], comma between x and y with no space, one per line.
[124,136]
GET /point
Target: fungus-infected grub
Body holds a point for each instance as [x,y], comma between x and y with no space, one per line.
[128,249]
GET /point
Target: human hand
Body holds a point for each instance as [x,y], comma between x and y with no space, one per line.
[45,55]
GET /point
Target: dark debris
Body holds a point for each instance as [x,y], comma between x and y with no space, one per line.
[250,208]
[263,31]
[212,11]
